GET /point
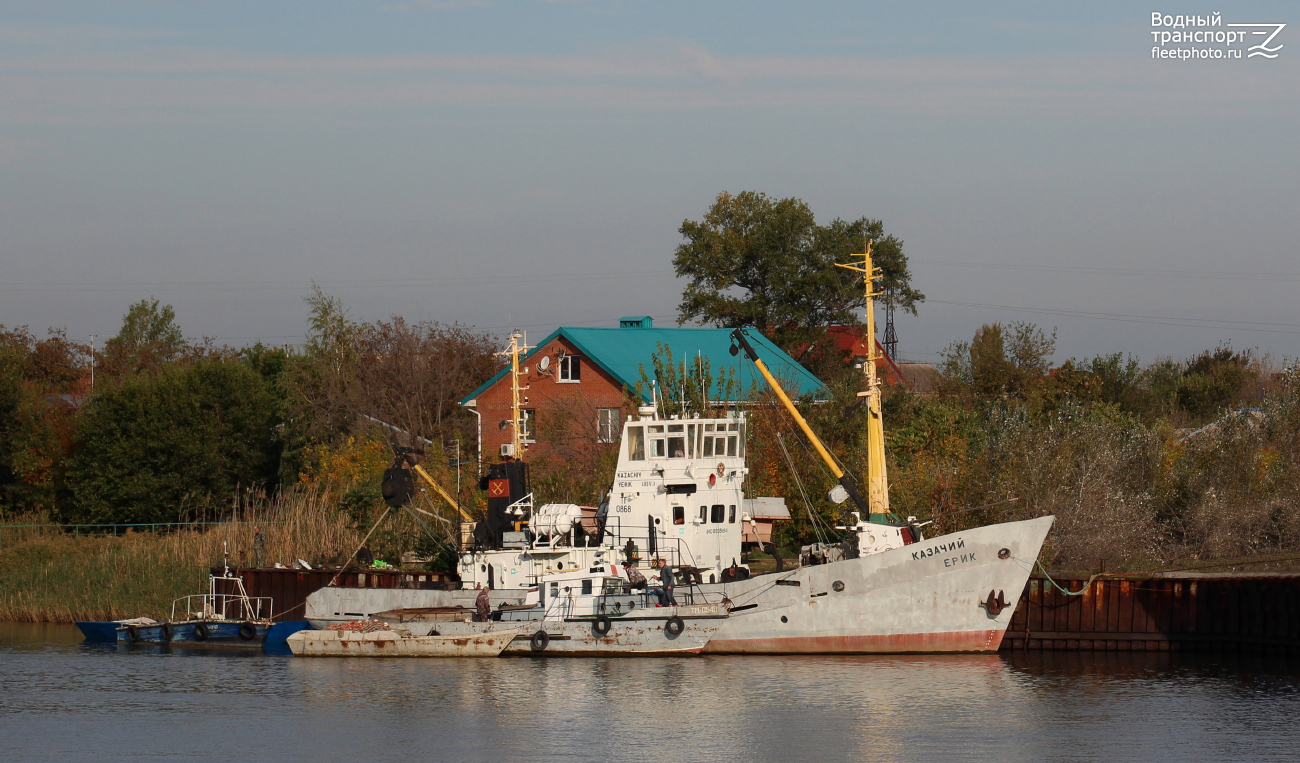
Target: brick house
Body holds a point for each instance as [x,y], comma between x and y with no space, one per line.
[578,380]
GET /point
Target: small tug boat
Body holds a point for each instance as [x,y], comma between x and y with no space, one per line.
[570,614]
[595,613]
[225,615]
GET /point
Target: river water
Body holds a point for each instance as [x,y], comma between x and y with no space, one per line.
[62,698]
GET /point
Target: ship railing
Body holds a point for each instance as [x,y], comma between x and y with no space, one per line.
[221,606]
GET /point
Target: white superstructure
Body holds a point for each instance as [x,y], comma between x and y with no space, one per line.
[677,496]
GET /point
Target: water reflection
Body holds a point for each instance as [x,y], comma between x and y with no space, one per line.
[59,696]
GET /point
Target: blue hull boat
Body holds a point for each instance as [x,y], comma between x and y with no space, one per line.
[226,615]
[197,632]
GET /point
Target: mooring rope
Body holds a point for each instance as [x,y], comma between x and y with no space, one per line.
[1058,587]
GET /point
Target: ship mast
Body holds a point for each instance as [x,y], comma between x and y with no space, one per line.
[516,414]
[877,483]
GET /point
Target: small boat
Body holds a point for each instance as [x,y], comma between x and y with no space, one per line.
[593,612]
[374,638]
[226,615]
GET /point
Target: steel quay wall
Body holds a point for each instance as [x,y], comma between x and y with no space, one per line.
[1226,612]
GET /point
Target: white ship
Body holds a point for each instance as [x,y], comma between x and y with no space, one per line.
[678,496]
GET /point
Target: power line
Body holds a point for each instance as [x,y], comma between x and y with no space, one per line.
[1218,275]
[1213,323]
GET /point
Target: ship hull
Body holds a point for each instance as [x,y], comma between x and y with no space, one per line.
[930,596]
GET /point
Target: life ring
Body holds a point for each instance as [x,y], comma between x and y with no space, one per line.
[722,469]
[539,641]
[674,626]
[247,631]
[132,634]
[168,632]
[201,632]
[602,625]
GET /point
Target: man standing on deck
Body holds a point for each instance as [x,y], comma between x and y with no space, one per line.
[483,604]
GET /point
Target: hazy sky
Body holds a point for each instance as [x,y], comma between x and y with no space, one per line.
[529,163]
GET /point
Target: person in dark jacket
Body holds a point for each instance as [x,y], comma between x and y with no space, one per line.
[483,604]
[666,583]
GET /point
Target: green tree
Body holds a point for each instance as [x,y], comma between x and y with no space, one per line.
[762,262]
[1000,360]
[149,338]
[175,445]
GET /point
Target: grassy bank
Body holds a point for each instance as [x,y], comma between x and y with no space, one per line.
[48,575]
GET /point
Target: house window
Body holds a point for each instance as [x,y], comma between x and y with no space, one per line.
[528,425]
[570,369]
[679,515]
[719,513]
[607,424]
[731,516]
[635,444]
[704,514]
[586,587]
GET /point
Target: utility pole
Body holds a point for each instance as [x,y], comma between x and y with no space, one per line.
[92,362]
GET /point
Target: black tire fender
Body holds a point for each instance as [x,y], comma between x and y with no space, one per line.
[539,641]
[247,631]
[674,626]
[132,634]
[201,632]
[602,624]
[168,632]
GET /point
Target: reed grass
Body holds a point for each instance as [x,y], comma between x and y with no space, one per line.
[48,575]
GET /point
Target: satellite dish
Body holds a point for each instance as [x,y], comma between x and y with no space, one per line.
[544,363]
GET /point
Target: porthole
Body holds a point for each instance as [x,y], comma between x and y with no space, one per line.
[483,567]
[1004,553]
[785,619]
[838,585]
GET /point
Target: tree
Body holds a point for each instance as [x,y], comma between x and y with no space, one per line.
[35,431]
[148,339]
[762,262]
[1000,360]
[175,445]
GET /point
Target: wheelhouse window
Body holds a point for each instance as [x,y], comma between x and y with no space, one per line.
[723,439]
[676,441]
[635,444]
[719,513]
[658,447]
[607,424]
[570,369]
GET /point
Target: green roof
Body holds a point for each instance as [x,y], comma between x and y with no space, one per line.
[621,352]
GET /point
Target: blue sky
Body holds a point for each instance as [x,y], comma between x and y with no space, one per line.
[529,163]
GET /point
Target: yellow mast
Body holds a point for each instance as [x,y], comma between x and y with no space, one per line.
[877,483]
[516,414]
